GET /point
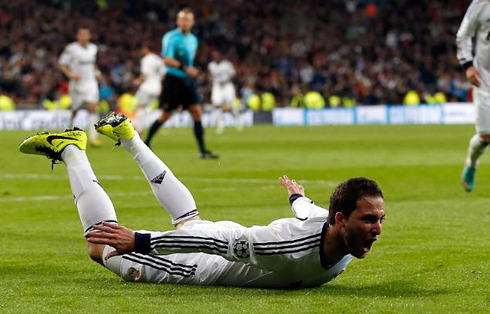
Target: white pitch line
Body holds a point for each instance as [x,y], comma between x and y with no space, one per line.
[27,176]
[63,197]
[119,194]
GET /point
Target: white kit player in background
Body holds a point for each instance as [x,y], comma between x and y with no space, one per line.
[150,86]
[223,94]
[476,24]
[78,63]
[305,251]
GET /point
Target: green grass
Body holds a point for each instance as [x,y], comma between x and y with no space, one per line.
[433,255]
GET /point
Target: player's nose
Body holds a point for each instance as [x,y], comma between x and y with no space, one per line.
[377,228]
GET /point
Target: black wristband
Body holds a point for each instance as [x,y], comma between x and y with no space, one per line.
[466,65]
[294,197]
[182,67]
[142,243]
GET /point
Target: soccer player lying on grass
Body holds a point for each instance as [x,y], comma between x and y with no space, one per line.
[305,251]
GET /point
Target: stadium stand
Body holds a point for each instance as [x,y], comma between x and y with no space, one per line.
[351,52]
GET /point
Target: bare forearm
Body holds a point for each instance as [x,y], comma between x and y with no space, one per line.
[66,71]
[172,62]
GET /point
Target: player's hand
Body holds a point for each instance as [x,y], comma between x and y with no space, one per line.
[473,76]
[192,71]
[119,237]
[75,77]
[291,186]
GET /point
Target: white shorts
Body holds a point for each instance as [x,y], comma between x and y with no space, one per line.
[79,96]
[144,98]
[221,95]
[190,268]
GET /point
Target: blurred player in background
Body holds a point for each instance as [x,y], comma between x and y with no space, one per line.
[476,23]
[78,63]
[179,48]
[150,86]
[223,93]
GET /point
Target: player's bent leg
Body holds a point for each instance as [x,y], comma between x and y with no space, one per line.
[478,145]
[95,251]
[93,118]
[183,222]
[93,204]
[169,191]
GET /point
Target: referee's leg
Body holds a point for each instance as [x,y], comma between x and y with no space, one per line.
[196,114]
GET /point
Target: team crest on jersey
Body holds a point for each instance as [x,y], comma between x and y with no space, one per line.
[159,178]
[241,250]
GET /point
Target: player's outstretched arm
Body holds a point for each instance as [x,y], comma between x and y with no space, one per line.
[302,206]
[234,244]
[292,186]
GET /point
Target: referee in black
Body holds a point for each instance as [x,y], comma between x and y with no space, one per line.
[179,48]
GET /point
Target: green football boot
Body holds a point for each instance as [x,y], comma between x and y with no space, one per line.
[468,179]
[52,145]
[116,127]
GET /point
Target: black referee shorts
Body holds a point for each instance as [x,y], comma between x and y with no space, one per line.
[178,91]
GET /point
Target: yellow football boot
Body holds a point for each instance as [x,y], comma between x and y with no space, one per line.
[115,126]
[52,145]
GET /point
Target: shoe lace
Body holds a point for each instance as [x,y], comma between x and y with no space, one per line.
[55,157]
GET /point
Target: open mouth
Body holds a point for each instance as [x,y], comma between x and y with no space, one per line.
[368,244]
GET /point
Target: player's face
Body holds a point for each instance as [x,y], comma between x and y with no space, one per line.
[83,36]
[364,225]
[185,21]
[216,56]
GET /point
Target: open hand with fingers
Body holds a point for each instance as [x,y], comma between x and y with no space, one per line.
[291,186]
[119,237]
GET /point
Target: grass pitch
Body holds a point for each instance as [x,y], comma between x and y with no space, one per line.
[433,255]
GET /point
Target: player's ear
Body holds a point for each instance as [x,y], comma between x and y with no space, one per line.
[339,218]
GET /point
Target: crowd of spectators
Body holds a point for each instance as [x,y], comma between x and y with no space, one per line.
[373,51]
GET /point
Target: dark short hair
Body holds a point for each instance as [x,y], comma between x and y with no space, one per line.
[148,45]
[345,196]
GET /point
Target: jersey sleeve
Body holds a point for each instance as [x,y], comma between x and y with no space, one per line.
[66,56]
[168,49]
[304,208]
[145,66]
[466,32]
[273,247]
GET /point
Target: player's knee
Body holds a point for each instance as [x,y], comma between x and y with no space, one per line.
[95,252]
[181,224]
[485,137]
[92,108]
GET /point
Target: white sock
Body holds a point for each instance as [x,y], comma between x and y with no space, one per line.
[238,120]
[476,149]
[93,119]
[170,192]
[139,119]
[94,205]
[220,124]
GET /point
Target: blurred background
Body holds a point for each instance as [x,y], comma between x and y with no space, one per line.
[351,52]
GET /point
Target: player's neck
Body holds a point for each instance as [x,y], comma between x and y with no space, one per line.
[184,32]
[333,247]
[84,45]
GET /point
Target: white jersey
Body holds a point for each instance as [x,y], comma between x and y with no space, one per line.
[81,61]
[476,23]
[153,68]
[221,72]
[288,253]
